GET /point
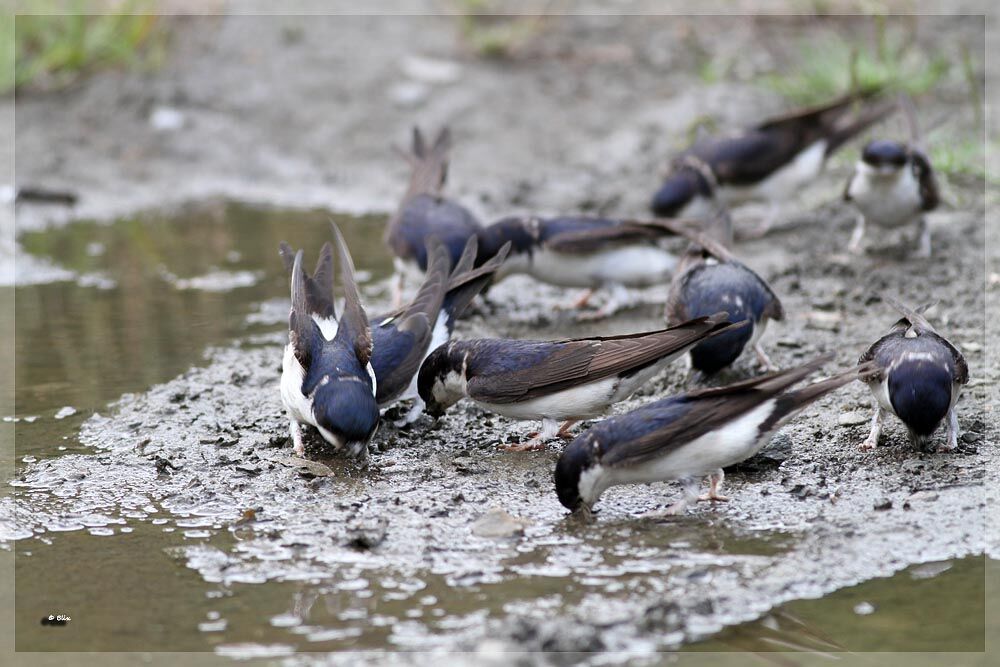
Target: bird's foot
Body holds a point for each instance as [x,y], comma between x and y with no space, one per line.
[763,359]
[532,445]
[869,443]
[580,301]
[674,510]
[713,497]
[563,432]
[949,446]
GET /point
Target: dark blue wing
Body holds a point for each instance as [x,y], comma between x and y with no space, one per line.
[426,216]
[503,356]
[730,287]
[391,348]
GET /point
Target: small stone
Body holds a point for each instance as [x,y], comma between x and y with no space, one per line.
[883,504]
[498,523]
[408,94]
[970,438]
[431,70]
[65,411]
[925,496]
[852,418]
[864,608]
[823,321]
[801,491]
[166,119]
[930,570]
[366,534]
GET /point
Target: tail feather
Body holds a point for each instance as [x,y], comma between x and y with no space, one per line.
[768,383]
[843,132]
[300,324]
[354,324]
[463,287]
[317,288]
[914,317]
[467,260]
[429,163]
[794,401]
[431,294]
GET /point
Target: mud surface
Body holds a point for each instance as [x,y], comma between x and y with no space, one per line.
[408,552]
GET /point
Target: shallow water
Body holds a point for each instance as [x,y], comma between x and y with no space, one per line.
[938,606]
[155,292]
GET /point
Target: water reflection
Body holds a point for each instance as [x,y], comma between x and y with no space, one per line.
[169,287]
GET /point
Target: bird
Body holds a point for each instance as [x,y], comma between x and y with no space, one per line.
[919,378]
[402,338]
[769,162]
[709,279]
[585,252]
[687,436]
[893,184]
[327,379]
[425,212]
[552,381]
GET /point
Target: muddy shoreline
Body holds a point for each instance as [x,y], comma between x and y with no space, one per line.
[201,450]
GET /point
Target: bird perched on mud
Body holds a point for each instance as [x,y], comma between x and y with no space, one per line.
[586,252]
[327,379]
[892,185]
[919,379]
[554,381]
[710,279]
[424,212]
[686,437]
[403,338]
[771,161]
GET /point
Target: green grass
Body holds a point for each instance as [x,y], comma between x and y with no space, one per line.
[51,51]
[828,67]
[494,36]
[963,157]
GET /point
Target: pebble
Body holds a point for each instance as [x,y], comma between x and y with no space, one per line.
[864,608]
[65,411]
[166,119]
[431,70]
[366,534]
[852,418]
[824,321]
[883,504]
[408,94]
[498,523]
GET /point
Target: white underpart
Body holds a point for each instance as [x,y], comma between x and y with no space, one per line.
[583,402]
[758,331]
[736,441]
[880,390]
[885,197]
[783,183]
[298,406]
[632,266]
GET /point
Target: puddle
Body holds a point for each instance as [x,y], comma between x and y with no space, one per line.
[181,489]
[174,285]
[932,607]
